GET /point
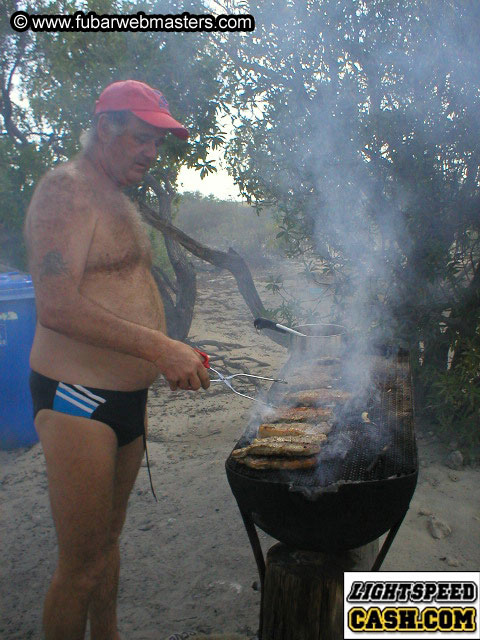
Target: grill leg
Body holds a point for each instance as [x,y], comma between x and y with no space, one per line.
[259,559]
[386,545]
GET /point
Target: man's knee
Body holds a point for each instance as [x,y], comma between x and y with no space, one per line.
[84,574]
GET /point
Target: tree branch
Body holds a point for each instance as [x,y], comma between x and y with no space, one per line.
[22,41]
[231,261]
[12,129]
[180,313]
[6,103]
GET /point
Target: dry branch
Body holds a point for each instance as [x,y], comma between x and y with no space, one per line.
[179,314]
[231,260]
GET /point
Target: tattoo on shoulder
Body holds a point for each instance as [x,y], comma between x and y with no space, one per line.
[53,264]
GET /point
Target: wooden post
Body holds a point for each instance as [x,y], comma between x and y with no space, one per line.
[303,591]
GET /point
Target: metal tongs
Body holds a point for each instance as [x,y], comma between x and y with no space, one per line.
[226,379]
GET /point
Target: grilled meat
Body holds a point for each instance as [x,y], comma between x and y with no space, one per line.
[278,463]
[317,397]
[295,430]
[283,447]
[302,414]
[313,397]
[304,438]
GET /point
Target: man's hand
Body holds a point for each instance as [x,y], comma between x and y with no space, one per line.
[183,367]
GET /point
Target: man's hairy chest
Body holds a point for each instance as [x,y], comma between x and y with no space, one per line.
[120,242]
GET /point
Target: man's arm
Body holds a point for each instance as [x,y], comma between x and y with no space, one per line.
[59,230]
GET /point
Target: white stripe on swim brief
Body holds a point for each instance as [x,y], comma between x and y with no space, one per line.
[77,395]
[89,393]
[77,404]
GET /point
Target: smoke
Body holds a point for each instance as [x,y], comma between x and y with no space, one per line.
[365,144]
[373,146]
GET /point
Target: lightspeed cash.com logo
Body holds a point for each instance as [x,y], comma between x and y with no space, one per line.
[418,605]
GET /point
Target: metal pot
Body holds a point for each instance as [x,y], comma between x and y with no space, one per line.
[312,340]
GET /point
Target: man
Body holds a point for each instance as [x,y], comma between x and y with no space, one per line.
[99,344]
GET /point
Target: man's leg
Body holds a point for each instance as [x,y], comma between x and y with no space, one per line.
[80,456]
[102,611]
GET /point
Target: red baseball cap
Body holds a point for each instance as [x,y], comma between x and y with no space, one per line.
[146,103]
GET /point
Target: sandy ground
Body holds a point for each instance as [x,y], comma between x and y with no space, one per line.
[186,562]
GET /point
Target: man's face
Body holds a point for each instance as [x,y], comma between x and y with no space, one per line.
[130,154]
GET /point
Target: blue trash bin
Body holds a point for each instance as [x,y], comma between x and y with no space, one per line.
[17,328]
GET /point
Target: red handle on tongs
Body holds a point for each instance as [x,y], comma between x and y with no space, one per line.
[205,358]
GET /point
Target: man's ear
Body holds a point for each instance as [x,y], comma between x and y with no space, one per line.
[104,128]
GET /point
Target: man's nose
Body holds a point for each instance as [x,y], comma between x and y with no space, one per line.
[150,151]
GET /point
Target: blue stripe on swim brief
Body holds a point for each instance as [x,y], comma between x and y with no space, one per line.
[73,403]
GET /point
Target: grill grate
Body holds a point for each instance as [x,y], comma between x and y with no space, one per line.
[355,451]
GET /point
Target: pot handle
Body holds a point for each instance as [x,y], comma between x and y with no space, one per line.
[265,323]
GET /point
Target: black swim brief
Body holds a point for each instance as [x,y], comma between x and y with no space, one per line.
[123,411]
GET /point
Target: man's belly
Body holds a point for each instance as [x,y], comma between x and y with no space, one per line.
[75,362]
[62,358]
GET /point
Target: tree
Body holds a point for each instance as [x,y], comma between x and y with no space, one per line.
[49,82]
[360,122]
